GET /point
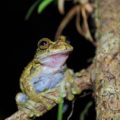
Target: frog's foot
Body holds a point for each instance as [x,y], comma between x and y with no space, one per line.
[71,86]
[71,89]
[75,89]
[69,94]
[28,106]
[54,94]
[48,99]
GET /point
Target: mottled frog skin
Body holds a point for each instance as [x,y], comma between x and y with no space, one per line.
[46,71]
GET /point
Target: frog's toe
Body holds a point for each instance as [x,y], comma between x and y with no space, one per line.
[76,90]
[70,97]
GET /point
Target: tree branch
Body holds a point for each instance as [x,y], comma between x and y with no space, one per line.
[19,115]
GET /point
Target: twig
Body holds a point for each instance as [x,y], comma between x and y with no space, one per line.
[65,21]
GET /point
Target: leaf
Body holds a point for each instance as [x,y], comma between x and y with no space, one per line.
[84,112]
[31,10]
[60,105]
[60,109]
[43,5]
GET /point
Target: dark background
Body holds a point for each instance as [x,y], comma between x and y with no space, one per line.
[19,47]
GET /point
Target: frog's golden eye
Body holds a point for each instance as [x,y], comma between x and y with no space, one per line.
[43,43]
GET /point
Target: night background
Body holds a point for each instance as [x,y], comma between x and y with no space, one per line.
[19,48]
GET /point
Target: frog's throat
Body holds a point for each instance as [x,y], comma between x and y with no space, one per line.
[55,60]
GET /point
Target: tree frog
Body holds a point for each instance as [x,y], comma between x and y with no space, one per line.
[45,72]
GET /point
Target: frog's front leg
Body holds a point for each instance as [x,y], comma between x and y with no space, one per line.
[71,85]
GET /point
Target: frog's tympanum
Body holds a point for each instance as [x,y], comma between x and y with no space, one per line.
[45,72]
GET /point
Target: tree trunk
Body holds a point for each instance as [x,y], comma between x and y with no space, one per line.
[107,60]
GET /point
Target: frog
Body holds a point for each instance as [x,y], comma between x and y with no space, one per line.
[45,72]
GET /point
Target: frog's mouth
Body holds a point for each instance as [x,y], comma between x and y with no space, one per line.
[55,60]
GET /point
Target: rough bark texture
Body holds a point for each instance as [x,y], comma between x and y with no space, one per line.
[19,115]
[107,60]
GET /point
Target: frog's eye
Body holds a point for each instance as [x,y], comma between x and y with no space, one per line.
[43,44]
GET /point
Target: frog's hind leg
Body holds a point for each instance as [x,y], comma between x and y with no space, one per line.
[28,106]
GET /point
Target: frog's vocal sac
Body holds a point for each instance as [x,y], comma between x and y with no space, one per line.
[46,71]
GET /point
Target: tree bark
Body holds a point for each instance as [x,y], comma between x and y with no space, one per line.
[107,60]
